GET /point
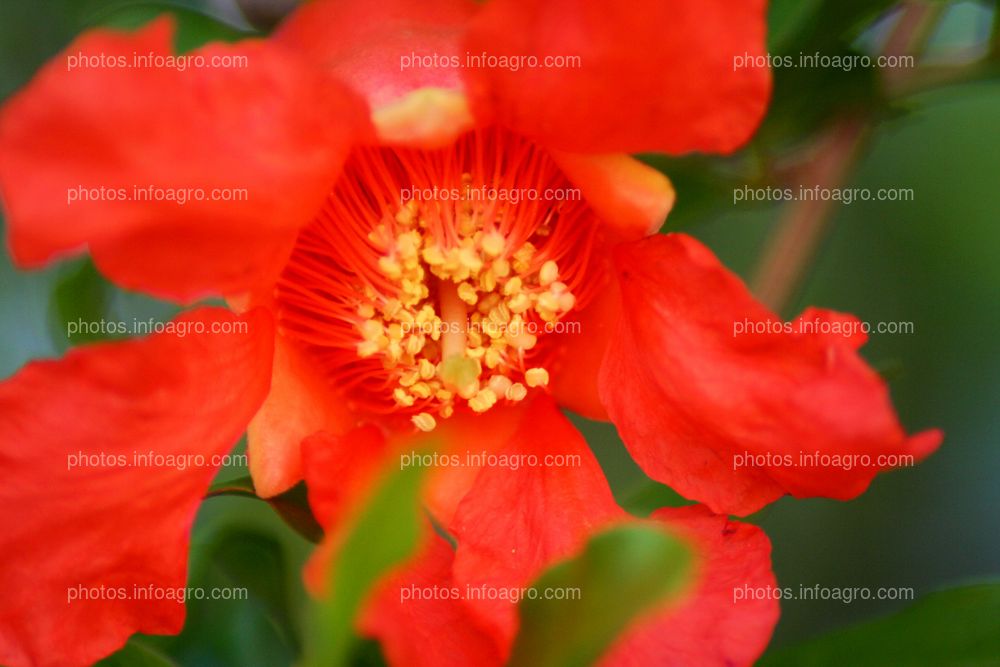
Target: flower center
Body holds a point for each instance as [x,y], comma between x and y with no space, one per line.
[435,280]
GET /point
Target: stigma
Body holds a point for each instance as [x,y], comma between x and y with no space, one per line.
[436,281]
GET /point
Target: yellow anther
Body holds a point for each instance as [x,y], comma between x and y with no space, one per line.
[547,301]
[493,243]
[548,274]
[488,281]
[519,303]
[500,268]
[483,400]
[421,390]
[500,315]
[367,348]
[492,358]
[408,379]
[499,384]
[425,315]
[488,301]
[371,329]
[513,286]
[516,392]
[536,377]
[566,302]
[427,369]
[470,259]
[519,338]
[475,338]
[366,310]
[390,267]
[406,318]
[424,421]
[401,397]
[523,257]
[491,329]
[468,294]
[408,244]
[433,255]
[414,344]
[407,214]
[436,326]
[378,236]
[393,353]
[447,411]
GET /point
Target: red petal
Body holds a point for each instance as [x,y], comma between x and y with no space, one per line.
[723,417]
[74,526]
[270,135]
[516,521]
[728,618]
[379,49]
[340,470]
[299,404]
[652,75]
[631,200]
[467,440]
[588,331]
[419,618]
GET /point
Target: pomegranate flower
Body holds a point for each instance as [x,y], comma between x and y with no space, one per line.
[359,298]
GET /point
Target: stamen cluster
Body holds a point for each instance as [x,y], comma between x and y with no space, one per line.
[420,306]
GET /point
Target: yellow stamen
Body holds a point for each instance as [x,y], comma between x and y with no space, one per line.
[424,422]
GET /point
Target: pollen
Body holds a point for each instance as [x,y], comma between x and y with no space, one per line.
[421,304]
[424,421]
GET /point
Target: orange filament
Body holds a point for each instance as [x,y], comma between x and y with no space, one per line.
[430,280]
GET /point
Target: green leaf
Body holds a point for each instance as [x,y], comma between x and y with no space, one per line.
[960,626]
[79,304]
[647,496]
[137,653]
[261,626]
[820,24]
[194,27]
[621,573]
[382,536]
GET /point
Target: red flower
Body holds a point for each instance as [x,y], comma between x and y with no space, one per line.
[321,130]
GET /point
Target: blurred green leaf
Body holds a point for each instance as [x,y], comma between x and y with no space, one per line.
[955,627]
[648,496]
[32,32]
[248,558]
[240,609]
[797,25]
[621,573]
[79,300]
[383,535]
[194,28]
[137,653]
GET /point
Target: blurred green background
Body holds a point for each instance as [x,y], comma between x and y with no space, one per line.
[931,261]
